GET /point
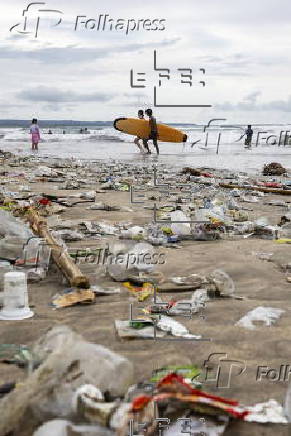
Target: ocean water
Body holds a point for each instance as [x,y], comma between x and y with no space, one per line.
[106,143]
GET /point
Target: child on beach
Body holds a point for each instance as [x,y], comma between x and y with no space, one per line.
[35,135]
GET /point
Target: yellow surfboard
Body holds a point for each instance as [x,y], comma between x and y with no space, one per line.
[140,128]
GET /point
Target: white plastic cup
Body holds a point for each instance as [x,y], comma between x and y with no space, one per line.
[15,299]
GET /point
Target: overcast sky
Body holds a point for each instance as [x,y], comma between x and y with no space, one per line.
[243,45]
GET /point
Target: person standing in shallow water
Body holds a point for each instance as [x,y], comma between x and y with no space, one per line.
[249,134]
[35,135]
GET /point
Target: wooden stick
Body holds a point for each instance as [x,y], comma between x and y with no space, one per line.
[258,188]
[61,258]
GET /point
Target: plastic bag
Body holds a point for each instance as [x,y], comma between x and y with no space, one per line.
[90,195]
[175,328]
[182,228]
[269,412]
[11,226]
[68,235]
[142,256]
[4,268]
[223,282]
[262,222]
[267,315]
[44,171]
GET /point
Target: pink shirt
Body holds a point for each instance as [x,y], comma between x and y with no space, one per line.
[34,130]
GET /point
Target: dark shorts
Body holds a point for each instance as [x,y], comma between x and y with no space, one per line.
[153,136]
[248,140]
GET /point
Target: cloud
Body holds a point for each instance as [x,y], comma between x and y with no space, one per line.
[73,53]
[250,103]
[242,45]
[211,39]
[53,107]
[134,94]
[137,104]
[55,95]
[232,64]
[239,64]
[278,105]
[252,98]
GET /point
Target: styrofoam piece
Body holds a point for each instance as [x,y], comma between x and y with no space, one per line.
[267,315]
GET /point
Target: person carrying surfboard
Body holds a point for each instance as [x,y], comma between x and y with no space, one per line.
[140,115]
[153,129]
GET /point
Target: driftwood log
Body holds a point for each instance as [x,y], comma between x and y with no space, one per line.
[60,257]
[258,188]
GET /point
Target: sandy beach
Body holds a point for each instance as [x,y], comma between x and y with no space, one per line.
[260,283]
[145,218]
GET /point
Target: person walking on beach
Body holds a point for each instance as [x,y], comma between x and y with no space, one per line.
[153,130]
[140,115]
[35,135]
[249,134]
